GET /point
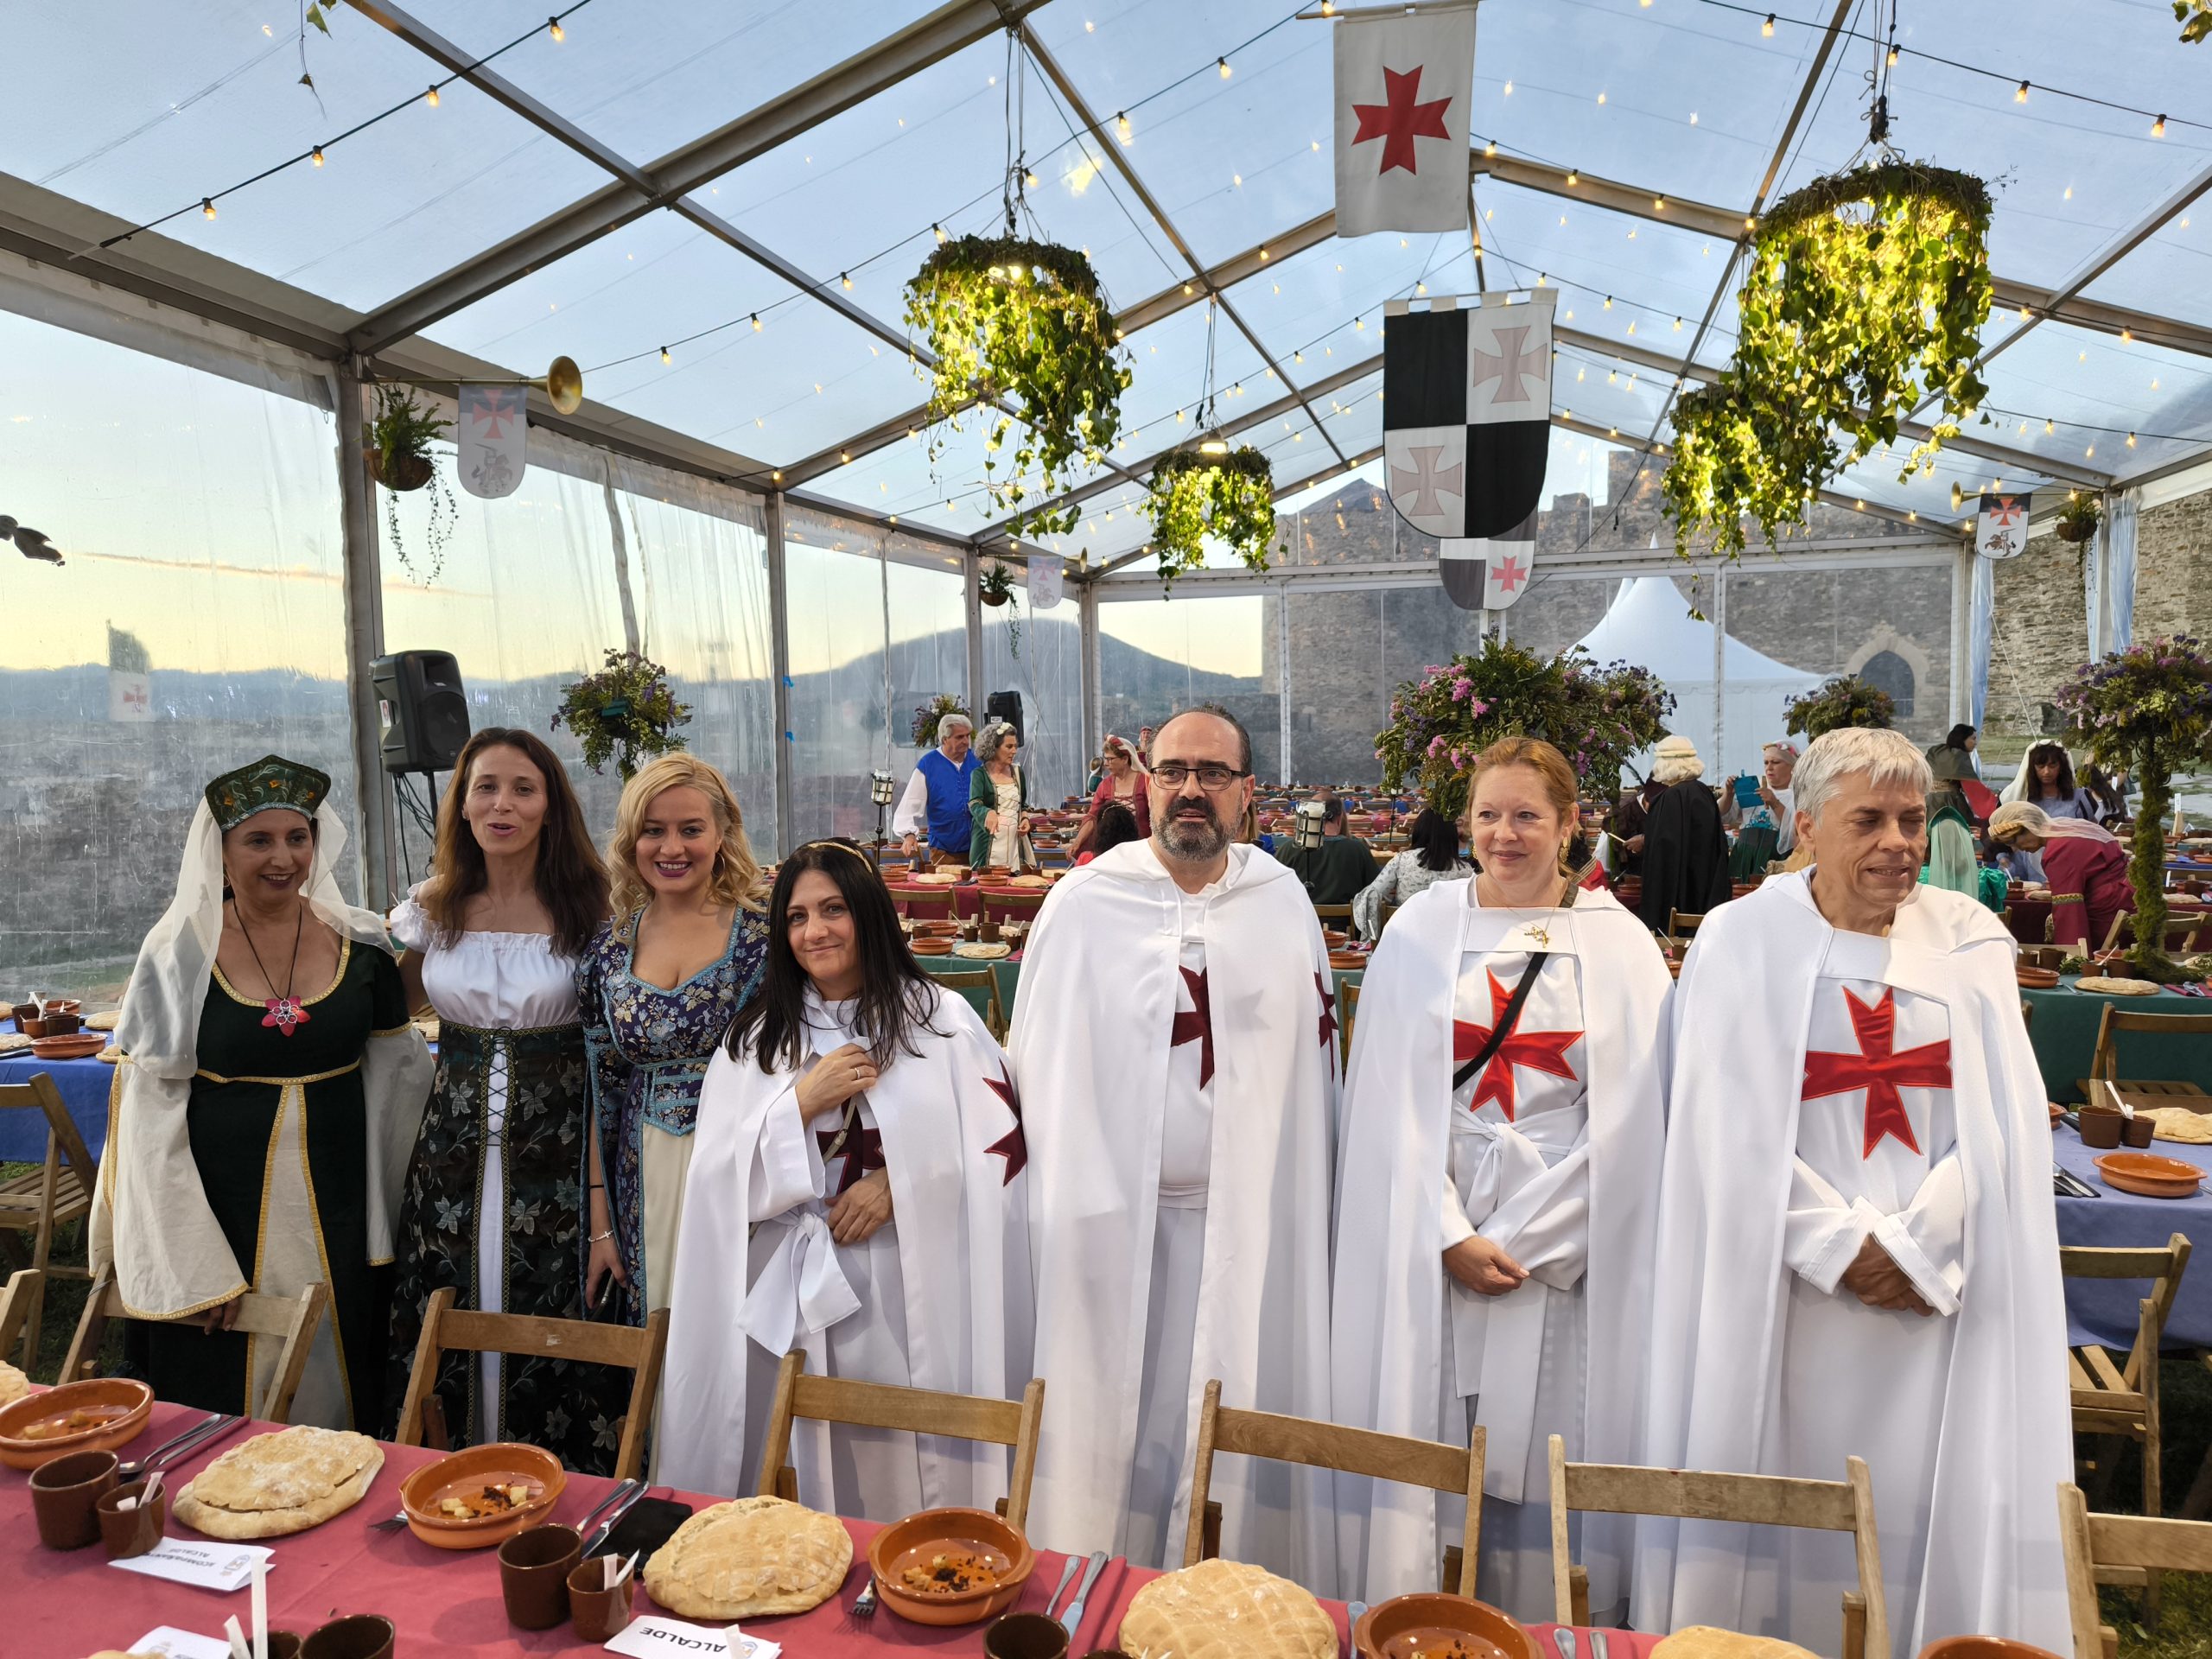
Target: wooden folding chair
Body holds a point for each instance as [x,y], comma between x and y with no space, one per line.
[1382,919]
[2120,1549]
[21,1294]
[1014,905]
[1845,1505]
[2122,1401]
[1338,916]
[1682,924]
[292,1319]
[912,1411]
[634,1348]
[58,1192]
[930,904]
[1347,1011]
[967,982]
[1331,1446]
[2104,1059]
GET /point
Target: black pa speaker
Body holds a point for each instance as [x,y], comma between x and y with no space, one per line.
[421,710]
[1006,706]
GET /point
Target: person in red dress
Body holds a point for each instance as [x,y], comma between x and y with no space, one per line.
[2085,864]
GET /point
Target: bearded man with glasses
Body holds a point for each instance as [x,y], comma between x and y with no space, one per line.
[1175,1038]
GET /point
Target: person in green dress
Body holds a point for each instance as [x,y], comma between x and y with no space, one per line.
[270,1088]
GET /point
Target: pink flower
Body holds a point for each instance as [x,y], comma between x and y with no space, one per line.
[1462,688]
[1477,706]
[1435,746]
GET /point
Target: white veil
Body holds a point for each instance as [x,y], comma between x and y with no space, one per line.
[159,1026]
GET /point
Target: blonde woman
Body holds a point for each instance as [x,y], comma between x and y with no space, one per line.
[659,983]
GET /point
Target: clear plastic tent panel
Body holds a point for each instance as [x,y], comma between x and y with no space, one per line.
[1157,655]
[2170,273]
[2095,389]
[177,113]
[646,78]
[1653,272]
[198,624]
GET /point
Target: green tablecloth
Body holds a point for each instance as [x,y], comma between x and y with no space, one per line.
[2064,1029]
[1006,975]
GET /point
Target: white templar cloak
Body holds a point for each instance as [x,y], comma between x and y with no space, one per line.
[1830,1086]
[1576,1209]
[1093,1037]
[937,1299]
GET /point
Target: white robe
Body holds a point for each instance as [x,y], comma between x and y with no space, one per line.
[1570,1192]
[938,1298]
[1136,1289]
[1760,1365]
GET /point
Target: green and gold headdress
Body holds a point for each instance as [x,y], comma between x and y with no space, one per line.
[271,781]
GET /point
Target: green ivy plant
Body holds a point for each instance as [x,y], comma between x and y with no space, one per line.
[1847,700]
[2149,709]
[1229,497]
[623,712]
[2079,518]
[1022,321]
[995,586]
[1867,292]
[399,440]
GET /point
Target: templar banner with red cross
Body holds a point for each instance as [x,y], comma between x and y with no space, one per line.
[1466,432]
[1403,85]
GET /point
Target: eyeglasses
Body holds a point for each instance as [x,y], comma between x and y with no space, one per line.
[1173,774]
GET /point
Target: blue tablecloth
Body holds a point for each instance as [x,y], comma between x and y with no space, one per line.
[84,1085]
[2103,1310]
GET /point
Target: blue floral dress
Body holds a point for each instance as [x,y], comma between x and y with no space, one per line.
[648,1051]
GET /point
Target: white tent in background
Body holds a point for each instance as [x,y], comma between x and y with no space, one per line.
[1650,624]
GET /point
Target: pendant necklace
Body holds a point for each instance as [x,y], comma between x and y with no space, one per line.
[286,1012]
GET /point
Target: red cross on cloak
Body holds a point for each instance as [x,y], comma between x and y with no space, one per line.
[1328,1010]
[1196,1023]
[1400,119]
[1012,1145]
[863,1151]
[1879,1068]
[1539,1051]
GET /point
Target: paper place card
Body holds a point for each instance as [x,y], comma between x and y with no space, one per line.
[169,1643]
[655,1635]
[210,1565]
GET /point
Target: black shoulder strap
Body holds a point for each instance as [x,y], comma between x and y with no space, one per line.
[1506,1022]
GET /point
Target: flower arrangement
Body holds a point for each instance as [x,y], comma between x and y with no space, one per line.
[2147,709]
[927,715]
[1847,700]
[1230,497]
[400,459]
[1597,716]
[624,711]
[1023,321]
[1865,294]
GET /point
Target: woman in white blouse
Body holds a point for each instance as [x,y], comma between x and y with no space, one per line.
[1432,854]
[496,1186]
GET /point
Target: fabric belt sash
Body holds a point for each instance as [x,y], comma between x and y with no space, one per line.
[285,1082]
[1497,1342]
[801,1290]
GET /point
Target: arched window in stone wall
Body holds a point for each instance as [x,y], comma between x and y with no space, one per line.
[1887,671]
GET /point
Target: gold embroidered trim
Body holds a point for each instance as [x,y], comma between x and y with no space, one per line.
[396,1031]
[345,956]
[285,1082]
[322,1255]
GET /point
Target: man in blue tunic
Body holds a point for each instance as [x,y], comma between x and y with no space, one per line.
[936,801]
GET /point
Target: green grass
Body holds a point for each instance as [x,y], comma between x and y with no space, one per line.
[2184,1626]
[64,1298]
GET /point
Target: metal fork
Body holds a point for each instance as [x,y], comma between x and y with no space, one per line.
[177,1447]
[864,1603]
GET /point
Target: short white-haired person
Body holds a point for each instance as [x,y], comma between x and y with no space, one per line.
[934,809]
[1857,1254]
[1685,848]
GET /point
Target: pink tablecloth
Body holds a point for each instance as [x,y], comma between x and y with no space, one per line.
[446,1602]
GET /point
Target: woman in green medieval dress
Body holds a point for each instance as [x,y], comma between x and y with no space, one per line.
[261,1118]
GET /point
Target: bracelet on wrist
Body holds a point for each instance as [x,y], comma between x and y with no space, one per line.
[594,1238]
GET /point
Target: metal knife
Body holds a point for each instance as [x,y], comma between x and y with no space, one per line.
[1073,1617]
[1067,1577]
[597,1540]
[1563,1639]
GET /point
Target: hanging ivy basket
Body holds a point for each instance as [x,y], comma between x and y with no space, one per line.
[1229,497]
[2079,518]
[1022,323]
[1866,294]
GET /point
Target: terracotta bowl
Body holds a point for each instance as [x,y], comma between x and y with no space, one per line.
[123,1406]
[76,1047]
[2037,979]
[912,1542]
[2148,1175]
[1347,959]
[932,946]
[1982,1647]
[2057,1112]
[502,1463]
[1406,1625]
